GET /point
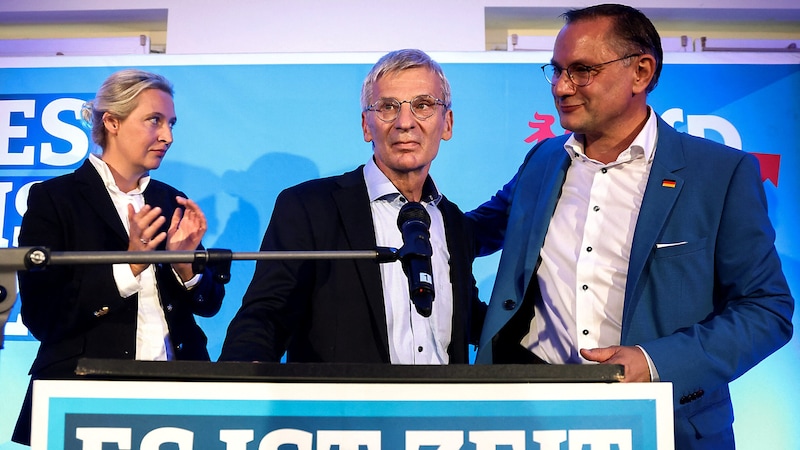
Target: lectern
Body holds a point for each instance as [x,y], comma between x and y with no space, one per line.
[261,406]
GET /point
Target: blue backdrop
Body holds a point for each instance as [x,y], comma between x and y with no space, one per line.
[252,125]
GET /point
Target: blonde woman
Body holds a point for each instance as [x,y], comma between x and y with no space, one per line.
[110,203]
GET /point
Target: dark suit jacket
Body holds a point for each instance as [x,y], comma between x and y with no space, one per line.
[76,311]
[706,308]
[333,311]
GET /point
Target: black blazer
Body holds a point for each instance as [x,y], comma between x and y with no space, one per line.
[333,310]
[76,311]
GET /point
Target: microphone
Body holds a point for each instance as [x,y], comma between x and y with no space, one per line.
[415,255]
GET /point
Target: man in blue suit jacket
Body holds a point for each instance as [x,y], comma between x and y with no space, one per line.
[629,243]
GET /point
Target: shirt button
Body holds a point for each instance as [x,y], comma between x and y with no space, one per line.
[585,287]
[604,170]
[596,208]
[588,249]
[419,349]
[585,332]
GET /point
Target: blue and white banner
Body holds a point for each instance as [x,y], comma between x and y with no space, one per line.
[86,415]
[251,125]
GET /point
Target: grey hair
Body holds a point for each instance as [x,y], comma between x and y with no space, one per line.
[118,96]
[397,61]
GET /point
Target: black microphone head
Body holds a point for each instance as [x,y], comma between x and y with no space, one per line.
[414,224]
[413,211]
[423,303]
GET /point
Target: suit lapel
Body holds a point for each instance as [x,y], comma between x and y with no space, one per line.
[157,195]
[356,216]
[662,191]
[460,278]
[91,187]
[544,198]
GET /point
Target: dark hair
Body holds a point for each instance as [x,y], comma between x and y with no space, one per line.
[634,30]
[398,61]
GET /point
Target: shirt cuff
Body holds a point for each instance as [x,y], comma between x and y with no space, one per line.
[653,371]
[192,282]
[127,283]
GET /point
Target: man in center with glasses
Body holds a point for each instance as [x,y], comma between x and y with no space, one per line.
[627,242]
[359,311]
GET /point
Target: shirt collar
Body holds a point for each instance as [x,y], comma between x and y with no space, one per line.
[643,144]
[108,178]
[380,188]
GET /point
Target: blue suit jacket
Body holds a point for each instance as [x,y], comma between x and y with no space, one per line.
[706,311]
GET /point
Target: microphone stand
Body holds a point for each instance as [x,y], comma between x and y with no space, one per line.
[38,258]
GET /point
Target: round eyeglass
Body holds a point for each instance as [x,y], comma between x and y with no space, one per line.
[422,106]
[579,74]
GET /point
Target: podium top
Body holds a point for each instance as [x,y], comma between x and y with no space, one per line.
[116,369]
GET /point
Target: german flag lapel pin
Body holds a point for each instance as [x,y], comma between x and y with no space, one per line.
[668,183]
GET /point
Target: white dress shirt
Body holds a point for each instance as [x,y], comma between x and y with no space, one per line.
[586,252]
[152,333]
[413,339]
